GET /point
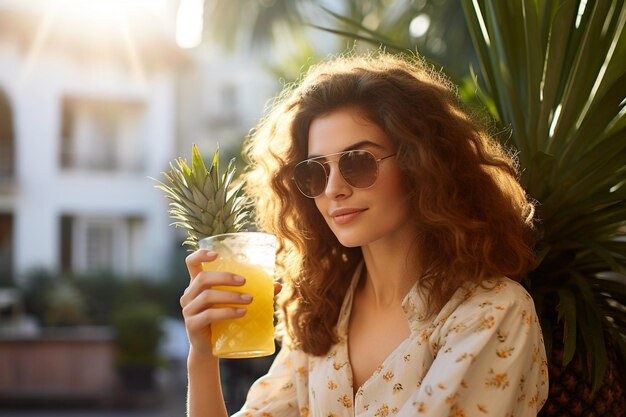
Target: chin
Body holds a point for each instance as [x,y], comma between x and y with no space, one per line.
[350,244]
[352,241]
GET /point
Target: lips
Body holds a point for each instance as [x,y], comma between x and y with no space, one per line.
[345,215]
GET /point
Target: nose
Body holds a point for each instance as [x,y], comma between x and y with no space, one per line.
[336,186]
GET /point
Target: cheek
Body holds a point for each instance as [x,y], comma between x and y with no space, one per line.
[395,194]
[319,205]
[394,186]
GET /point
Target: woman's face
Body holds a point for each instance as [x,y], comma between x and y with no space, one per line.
[359,217]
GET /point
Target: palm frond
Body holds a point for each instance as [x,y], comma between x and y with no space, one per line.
[555,72]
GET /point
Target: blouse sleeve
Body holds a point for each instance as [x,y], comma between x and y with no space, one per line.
[275,394]
[490,361]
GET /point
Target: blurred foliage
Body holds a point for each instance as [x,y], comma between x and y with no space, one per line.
[65,306]
[6,280]
[235,23]
[35,289]
[133,306]
[138,333]
[292,25]
[93,298]
[302,55]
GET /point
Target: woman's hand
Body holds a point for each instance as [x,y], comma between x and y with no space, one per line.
[199,300]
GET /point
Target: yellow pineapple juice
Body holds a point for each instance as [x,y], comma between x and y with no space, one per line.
[250,255]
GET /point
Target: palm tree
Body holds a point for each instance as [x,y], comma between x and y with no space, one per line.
[555,72]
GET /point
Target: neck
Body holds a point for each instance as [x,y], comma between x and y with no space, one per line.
[391,271]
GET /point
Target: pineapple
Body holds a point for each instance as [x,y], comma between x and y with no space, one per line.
[203,202]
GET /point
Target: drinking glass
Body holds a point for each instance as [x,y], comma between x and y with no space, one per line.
[251,255]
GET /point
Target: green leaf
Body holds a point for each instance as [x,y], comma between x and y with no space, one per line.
[590,57]
[198,168]
[535,179]
[614,287]
[605,255]
[482,43]
[567,314]
[533,69]
[215,164]
[602,111]
[557,22]
[593,333]
[376,41]
[359,26]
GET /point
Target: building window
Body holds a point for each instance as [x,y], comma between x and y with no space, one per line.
[7,139]
[91,243]
[102,135]
[6,248]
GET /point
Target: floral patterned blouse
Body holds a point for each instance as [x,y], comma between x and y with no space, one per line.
[482,355]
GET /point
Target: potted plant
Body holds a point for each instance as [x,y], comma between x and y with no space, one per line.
[138,333]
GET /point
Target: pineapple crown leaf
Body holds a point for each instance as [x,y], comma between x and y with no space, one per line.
[198,169]
[203,201]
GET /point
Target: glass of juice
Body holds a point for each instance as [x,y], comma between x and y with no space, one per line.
[251,255]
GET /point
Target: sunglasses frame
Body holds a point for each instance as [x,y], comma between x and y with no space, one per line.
[342,153]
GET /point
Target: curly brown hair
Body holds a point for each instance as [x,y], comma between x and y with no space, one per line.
[473,219]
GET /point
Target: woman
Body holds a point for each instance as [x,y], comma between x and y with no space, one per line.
[403,229]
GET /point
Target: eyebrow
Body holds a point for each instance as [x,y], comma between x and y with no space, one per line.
[355,146]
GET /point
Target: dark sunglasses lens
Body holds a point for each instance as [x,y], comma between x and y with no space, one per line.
[310,178]
[358,168]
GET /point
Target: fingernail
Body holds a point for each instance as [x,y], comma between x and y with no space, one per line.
[241,311]
[210,254]
[239,279]
[245,297]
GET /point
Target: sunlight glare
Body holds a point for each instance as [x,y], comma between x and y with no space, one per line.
[481,22]
[555,120]
[581,11]
[98,17]
[40,37]
[94,21]
[419,25]
[189,23]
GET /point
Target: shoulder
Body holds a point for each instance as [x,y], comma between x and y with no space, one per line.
[492,292]
[492,304]
[495,293]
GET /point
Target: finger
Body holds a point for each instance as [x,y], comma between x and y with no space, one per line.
[208,298]
[207,279]
[200,321]
[194,261]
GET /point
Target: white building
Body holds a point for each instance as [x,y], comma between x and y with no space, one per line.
[95,97]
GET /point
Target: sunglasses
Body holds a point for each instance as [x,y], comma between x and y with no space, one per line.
[358,168]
